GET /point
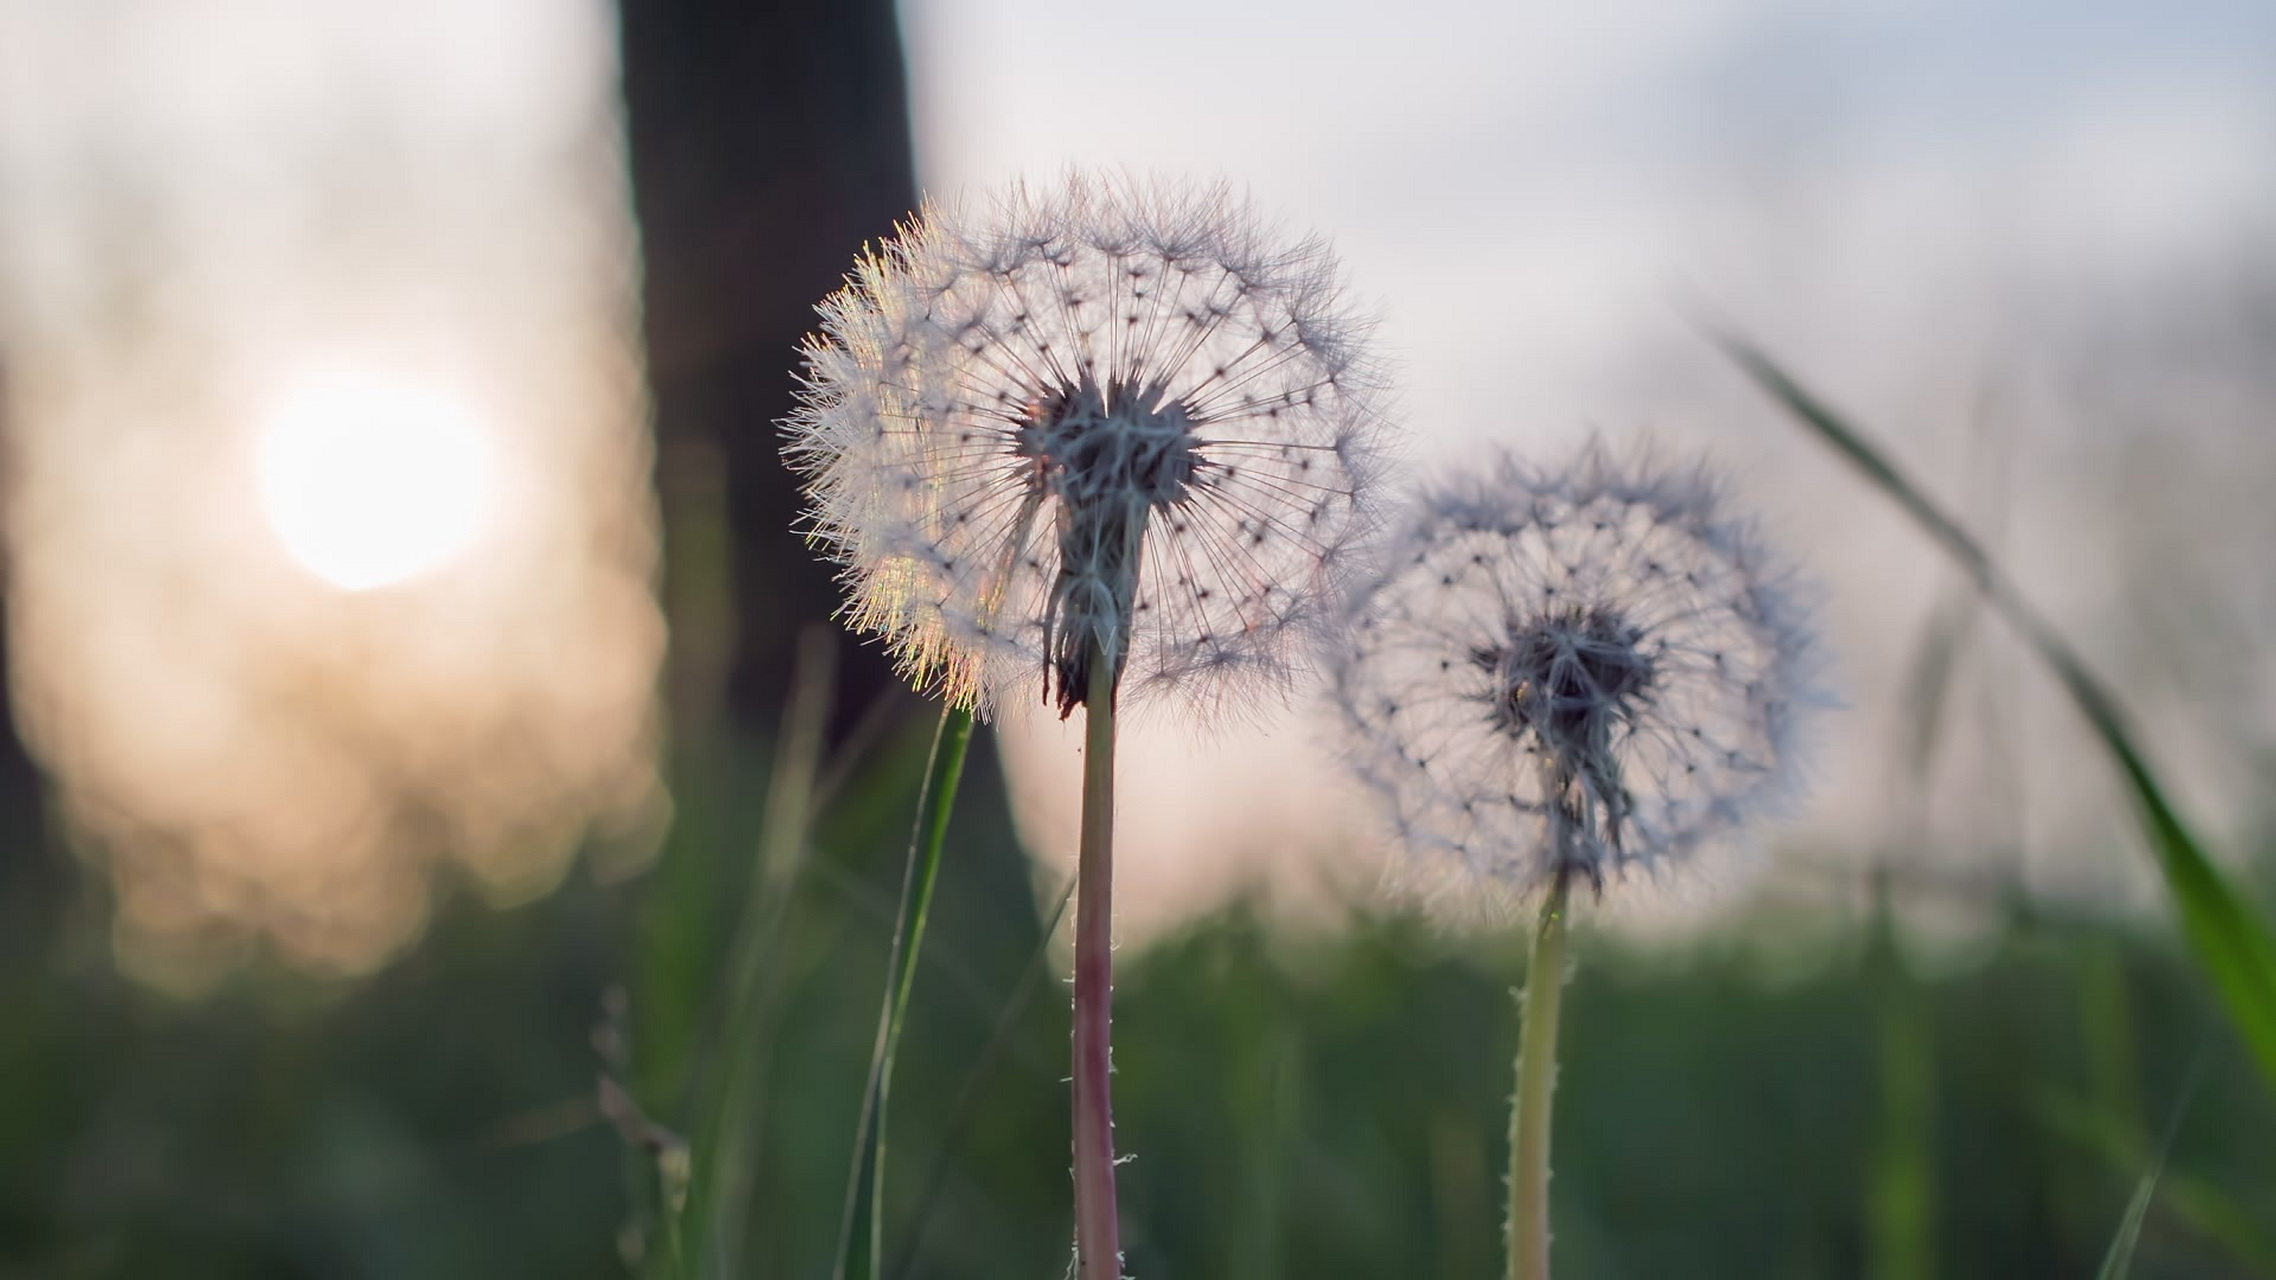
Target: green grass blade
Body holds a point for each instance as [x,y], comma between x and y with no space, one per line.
[2120,1260]
[2190,1201]
[2230,941]
[936,802]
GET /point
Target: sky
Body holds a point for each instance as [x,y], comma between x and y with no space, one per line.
[1989,230]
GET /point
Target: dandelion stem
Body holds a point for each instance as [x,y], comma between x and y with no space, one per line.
[1098,1230]
[1536,1085]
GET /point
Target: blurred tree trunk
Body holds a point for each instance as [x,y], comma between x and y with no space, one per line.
[31,880]
[769,140]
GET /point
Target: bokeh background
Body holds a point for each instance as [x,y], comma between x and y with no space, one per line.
[438,808]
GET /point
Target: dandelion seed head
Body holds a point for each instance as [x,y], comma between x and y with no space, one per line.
[1586,669]
[1106,418]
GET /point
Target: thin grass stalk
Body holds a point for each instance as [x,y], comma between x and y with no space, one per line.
[909,936]
[1531,1110]
[1098,1229]
[753,995]
[936,803]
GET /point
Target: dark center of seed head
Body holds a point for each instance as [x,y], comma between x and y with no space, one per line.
[1563,683]
[1120,444]
[1111,456]
[1565,678]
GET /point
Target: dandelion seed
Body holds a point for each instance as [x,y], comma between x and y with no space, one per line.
[1105,416]
[1583,670]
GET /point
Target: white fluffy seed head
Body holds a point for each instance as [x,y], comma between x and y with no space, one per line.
[1107,417]
[1580,670]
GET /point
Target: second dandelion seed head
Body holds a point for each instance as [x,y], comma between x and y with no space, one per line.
[1575,669]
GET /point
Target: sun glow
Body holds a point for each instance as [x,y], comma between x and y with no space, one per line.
[369,482]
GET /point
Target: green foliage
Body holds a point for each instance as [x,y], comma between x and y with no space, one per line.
[1325,1103]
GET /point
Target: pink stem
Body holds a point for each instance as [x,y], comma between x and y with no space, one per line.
[1098,1230]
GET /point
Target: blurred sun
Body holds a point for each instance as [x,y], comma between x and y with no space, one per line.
[369,482]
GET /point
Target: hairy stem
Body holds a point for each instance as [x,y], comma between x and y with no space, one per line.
[1536,1085]
[1098,1230]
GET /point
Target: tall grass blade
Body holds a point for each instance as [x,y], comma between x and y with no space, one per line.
[936,802]
[2229,940]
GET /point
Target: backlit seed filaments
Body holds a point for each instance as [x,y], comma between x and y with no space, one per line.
[1581,669]
[1104,419]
